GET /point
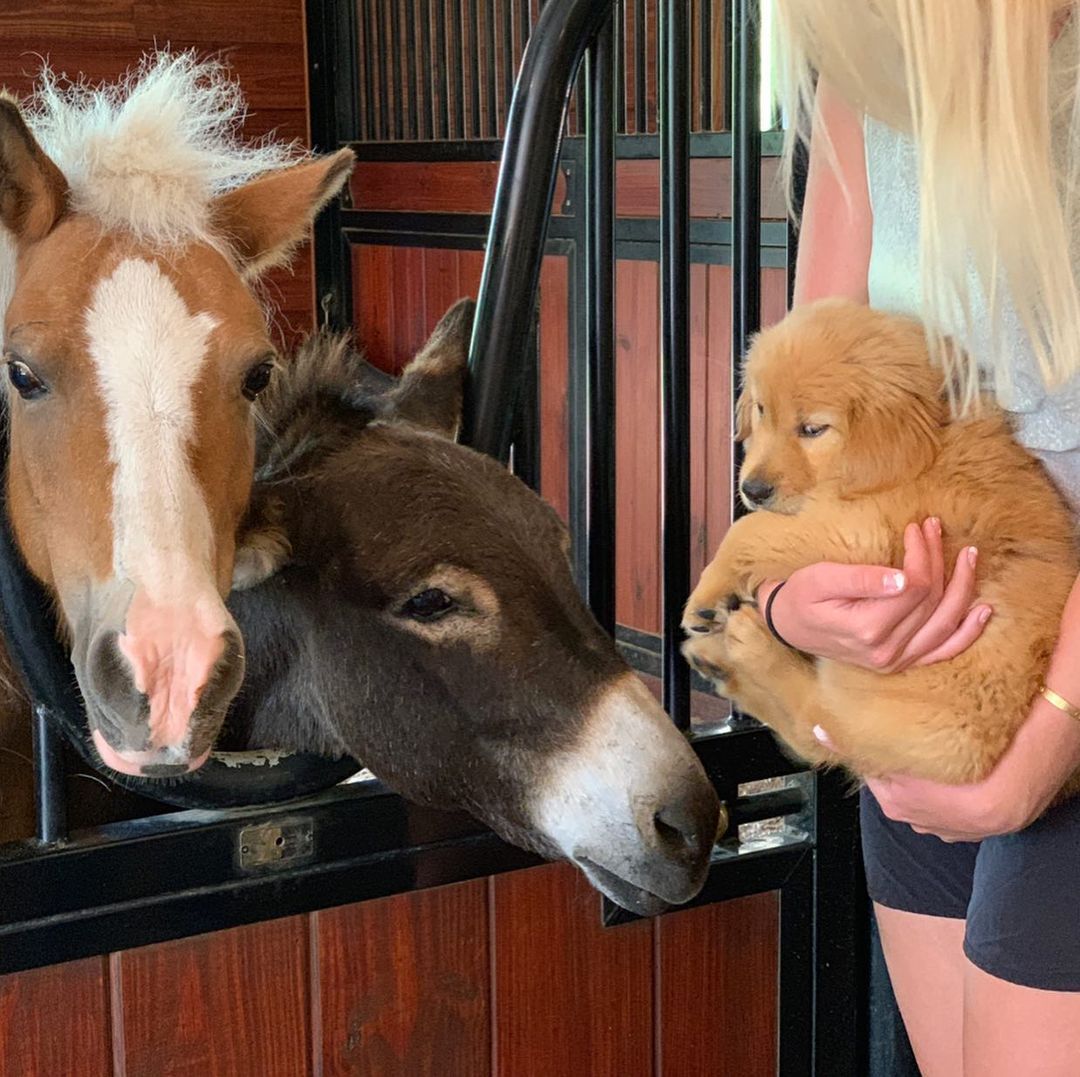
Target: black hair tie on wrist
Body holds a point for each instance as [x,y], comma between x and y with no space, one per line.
[768,614]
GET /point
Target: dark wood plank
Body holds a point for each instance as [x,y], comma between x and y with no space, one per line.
[432,186]
[554,382]
[441,286]
[234,1002]
[54,1022]
[718,421]
[570,996]
[637,445]
[470,269]
[637,189]
[215,23]
[700,371]
[410,310]
[404,985]
[373,303]
[717,989]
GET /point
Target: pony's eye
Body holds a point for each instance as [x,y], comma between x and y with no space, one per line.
[258,378]
[428,605]
[812,430]
[24,381]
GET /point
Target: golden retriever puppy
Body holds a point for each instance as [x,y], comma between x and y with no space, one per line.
[848,439]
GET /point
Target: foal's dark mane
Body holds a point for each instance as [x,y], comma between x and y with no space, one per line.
[316,401]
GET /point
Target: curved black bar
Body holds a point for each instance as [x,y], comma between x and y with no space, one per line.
[30,631]
[600,315]
[519,219]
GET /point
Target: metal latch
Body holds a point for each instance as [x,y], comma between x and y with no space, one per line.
[279,844]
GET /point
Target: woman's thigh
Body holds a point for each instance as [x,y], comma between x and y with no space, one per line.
[925,957]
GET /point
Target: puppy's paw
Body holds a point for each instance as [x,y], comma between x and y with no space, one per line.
[707,656]
[707,611]
[749,644]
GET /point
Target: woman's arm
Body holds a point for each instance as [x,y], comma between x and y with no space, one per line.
[836,230]
[1042,756]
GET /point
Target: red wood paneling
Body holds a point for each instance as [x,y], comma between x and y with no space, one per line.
[637,444]
[235,1002]
[569,996]
[637,190]
[554,382]
[403,985]
[432,186]
[400,293]
[717,969]
[54,1022]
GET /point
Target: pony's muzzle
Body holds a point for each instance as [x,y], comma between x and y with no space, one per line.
[156,705]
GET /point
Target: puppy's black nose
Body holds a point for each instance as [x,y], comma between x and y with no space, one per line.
[756,491]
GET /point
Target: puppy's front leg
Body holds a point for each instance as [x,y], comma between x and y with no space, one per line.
[767,545]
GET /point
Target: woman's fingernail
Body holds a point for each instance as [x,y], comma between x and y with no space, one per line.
[973,555]
[935,523]
[894,581]
[984,614]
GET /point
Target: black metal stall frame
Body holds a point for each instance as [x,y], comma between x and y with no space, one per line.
[71,895]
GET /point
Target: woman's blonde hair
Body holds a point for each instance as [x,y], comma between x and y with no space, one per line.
[972,82]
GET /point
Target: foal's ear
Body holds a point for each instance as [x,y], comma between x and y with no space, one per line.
[33,191]
[266,218]
[432,387]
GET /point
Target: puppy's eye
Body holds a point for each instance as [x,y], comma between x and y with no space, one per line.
[23,380]
[428,605]
[812,430]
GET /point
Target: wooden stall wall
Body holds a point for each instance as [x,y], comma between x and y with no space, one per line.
[507,977]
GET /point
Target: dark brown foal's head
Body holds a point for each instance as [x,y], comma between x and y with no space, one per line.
[428,624]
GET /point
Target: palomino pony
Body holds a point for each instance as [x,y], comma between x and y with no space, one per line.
[424,620]
[134,224]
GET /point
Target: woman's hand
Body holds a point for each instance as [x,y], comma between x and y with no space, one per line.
[1042,756]
[878,618]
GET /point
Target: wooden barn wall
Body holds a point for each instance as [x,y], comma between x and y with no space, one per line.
[263,44]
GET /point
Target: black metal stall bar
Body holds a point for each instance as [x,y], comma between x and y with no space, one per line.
[507,301]
[675,344]
[600,321]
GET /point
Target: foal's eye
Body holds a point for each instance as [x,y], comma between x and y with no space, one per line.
[258,378]
[24,381]
[428,605]
[812,430]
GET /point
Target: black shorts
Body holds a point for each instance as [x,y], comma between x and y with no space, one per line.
[1019,893]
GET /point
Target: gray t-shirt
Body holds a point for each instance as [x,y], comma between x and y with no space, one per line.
[1047,422]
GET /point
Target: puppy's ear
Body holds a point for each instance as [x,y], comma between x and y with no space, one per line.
[742,415]
[892,438]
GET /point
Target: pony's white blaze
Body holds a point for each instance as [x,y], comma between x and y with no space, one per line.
[148,350]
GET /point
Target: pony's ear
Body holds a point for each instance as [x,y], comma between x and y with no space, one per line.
[265,219]
[33,191]
[432,387]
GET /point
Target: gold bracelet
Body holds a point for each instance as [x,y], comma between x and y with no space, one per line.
[1060,702]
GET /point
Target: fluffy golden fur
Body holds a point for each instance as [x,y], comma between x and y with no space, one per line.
[844,417]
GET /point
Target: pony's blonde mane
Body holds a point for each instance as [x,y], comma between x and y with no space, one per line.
[973,83]
[149,153]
